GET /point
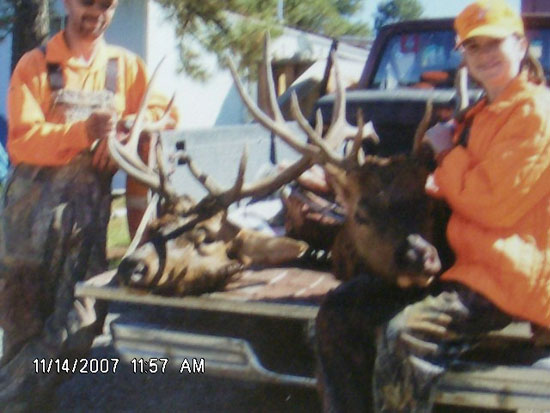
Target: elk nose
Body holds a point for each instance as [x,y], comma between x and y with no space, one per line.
[139,273]
[418,256]
[132,272]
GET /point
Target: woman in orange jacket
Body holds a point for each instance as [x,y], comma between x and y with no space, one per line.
[497,184]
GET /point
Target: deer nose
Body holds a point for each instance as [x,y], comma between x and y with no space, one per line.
[140,270]
[132,272]
[418,256]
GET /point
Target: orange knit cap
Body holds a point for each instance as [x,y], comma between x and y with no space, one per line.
[491,18]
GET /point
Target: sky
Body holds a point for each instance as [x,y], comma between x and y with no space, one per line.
[432,8]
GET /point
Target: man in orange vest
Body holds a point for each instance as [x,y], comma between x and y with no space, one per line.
[64,100]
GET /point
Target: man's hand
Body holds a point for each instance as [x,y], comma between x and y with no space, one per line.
[101,159]
[100,125]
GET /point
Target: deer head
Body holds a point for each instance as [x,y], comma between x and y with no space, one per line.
[192,247]
[389,228]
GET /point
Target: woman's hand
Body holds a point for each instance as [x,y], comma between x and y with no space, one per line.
[440,139]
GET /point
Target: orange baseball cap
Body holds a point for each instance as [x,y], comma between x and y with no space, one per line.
[491,18]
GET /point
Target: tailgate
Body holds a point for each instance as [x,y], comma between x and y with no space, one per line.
[259,328]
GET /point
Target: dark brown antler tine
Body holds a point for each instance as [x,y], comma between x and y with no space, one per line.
[422,127]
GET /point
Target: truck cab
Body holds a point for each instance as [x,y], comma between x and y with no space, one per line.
[410,63]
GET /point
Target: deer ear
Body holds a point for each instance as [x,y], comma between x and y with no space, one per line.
[254,247]
[426,156]
[339,180]
[370,147]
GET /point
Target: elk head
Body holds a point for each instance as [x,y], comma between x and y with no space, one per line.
[389,227]
[193,248]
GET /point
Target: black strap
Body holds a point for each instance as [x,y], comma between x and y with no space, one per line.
[111,75]
[57,82]
[55,74]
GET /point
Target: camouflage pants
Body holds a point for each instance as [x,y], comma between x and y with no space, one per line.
[52,234]
[366,365]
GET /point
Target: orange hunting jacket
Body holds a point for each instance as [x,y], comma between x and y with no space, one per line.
[33,136]
[498,188]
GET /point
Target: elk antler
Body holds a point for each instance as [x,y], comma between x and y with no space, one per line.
[461,86]
[320,150]
[126,155]
[422,127]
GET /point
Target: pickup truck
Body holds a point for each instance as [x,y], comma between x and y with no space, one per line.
[261,326]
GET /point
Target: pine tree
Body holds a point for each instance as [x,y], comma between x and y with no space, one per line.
[239,26]
[28,20]
[214,25]
[391,11]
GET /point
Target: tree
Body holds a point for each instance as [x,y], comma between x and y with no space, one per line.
[239,25]
[210,24]
[28,20]
[391,11]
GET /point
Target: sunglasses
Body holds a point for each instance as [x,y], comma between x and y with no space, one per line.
[103,5]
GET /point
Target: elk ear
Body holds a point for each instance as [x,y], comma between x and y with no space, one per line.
[254,247]
[426,157]
[339,180]
[370,147]
[227,230]
[422,128]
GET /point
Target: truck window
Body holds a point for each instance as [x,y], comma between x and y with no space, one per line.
[428,59]
[418,59]
[539,43]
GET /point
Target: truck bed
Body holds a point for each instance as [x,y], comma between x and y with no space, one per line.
[286,292]
[261,327]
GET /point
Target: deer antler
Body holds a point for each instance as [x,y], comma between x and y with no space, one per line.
[218,199]
[321,150]
[276,124]
[422,127]
[461,86]
[126,155]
